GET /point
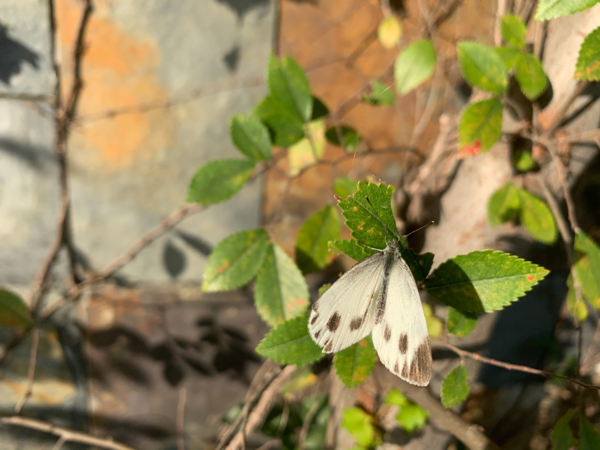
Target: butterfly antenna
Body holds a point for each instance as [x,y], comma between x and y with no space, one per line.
[419,229]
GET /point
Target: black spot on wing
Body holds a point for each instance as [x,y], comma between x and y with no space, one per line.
[334,322]
[420,367]
[314,319]
[329,346]
[317,334]
[356,323]
[387,333]
[403,343]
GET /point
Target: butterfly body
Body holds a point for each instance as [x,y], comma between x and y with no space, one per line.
[378,295]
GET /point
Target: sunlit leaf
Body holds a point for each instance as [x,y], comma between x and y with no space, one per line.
[530,76]
[395,397]
[575,306]
[219,180]
[344,187]
[412,417]
[312,250]
[588,62]
[587,267]
[280,292]
[360,425]
[460,323]
[351,248]
[251,137]
[480,124]
[523,160]
[508,56]
[482,67]
[235,260]
[308,150]
[513,31]
[536,218]
[287,81]
[287,127]
[290,343]
[503,205]
[434,325]
[414,66]
[483,281]
[552,9]
[455,388]
[389,32]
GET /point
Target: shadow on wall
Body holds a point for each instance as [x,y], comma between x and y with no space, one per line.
[14,56]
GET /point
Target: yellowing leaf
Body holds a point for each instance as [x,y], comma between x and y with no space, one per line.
[389,32]
[303,153]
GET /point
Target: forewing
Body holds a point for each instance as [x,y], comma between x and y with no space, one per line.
[344,314]
[401,337]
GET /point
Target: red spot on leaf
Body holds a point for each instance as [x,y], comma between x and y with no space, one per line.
[530,277]
[470,150]
[362,343]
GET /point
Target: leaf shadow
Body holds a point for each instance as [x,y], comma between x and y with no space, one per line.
[455,289]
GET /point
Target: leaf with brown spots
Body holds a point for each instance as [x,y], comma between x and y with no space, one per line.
[280,292]
[354,364]
[235,260]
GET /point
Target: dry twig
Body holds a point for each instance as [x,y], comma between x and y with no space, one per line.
[31,372]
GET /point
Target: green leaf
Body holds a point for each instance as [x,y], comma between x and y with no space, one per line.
[389,31]
[235,260]
[370,221]
[280,292]
[360,425]
[312,251]
[588,62]
[14,312]
[287,81]
[434,325]
[513,31]
[251,137]
[455,388]
[414,66]
[320,110]
[351,248]
[562,436]
[344,187]
[530,76]
[380,94]
[482,67]
[508,56]
[324,288]
[459,323]
[412,418]
[576,307]
[480,126]
[219,180]
[483,281]
[303,153]
[287,127]
[589,438]
[395,397]
[350,137]
[290,343]
[503,205]
[523,160]
[587,267]
[536,217]
[552,9]
[354,364]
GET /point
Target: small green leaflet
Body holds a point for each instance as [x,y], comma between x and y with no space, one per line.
[351,248]
[14,313]
[289,84]
[455,388]
[219,180]
[482,67]
[434,325]
[412,417]
[553,9]
[508,56]
[587,267]
[523,160]
[280,292]
[380,94]
[320,109]
[285,123]
[513,31]
[395,397]
[589,438]
[576,307]
[536,218]
[251,137]
[360,425]
[588,62]
[290,343]
[460,324]
[344,187]
[414,66]
[235,260]
[483,281]
[562,436]
[312,252]
[530,76]
[480,127]
[350,137]
[354,364]
[503,205]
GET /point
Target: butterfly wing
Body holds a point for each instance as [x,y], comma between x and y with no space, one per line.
[400,331]
[344,314]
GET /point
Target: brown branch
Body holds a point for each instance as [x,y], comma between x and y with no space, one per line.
[562,112]
[586,136]
[31,372]
[181,419]
[65,434]
[24,97]
[508,366]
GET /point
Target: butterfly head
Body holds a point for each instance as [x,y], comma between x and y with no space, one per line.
[392,246]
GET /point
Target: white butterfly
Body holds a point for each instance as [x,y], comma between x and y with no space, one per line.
[379,295]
